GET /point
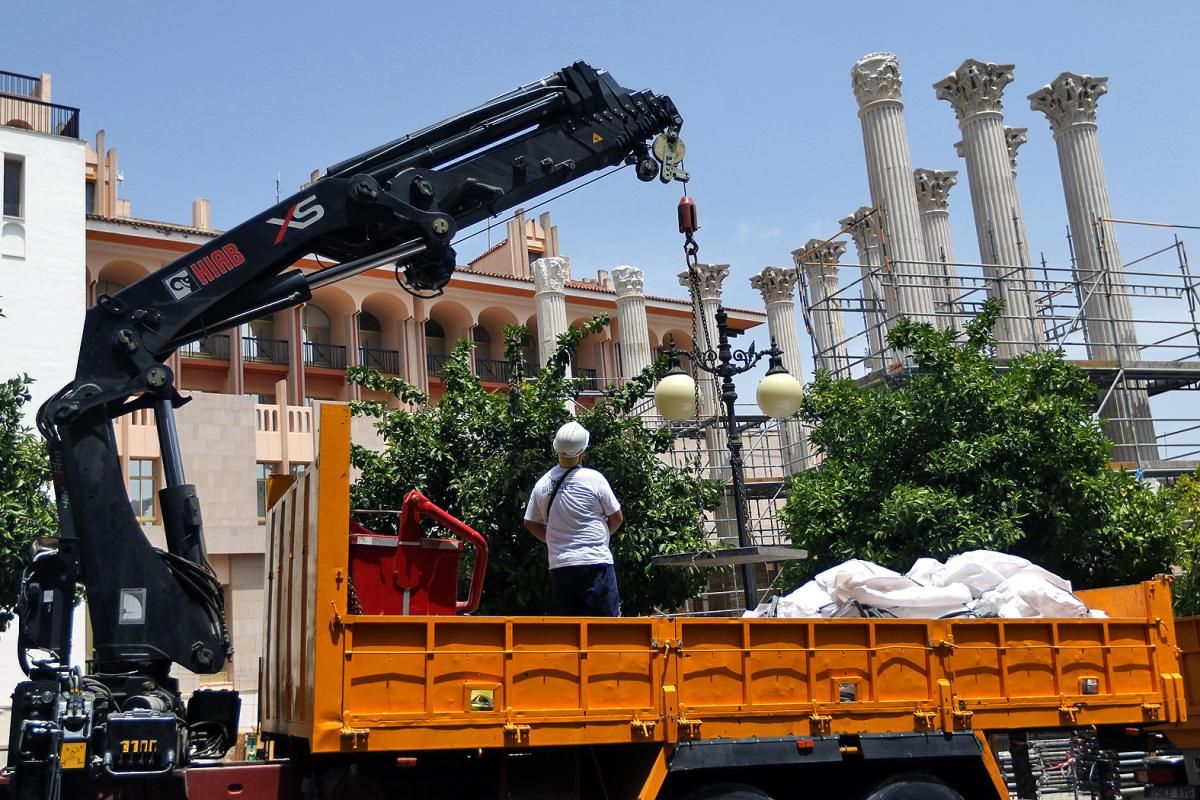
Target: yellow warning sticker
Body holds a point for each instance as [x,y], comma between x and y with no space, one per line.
[73,755]
[597,138]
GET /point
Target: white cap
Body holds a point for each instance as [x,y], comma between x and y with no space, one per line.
[571,440]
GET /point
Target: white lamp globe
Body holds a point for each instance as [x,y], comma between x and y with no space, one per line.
[779,394]
[675,396]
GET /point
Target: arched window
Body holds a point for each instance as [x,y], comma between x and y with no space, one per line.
[527,351]
[316,325]
[109,288]
[435,338]
[370,332]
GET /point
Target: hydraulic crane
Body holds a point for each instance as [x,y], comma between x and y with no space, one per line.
[401,203]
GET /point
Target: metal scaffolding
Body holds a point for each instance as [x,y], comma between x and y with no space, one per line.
[1140,359]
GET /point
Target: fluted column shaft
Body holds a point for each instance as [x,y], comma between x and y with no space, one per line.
[1069,103]
[777,286]
[933,189]
[876,82]
[864,229]
[820,264]
[549,277]
[975,90]
[706,297]
[631,321]
[997,227]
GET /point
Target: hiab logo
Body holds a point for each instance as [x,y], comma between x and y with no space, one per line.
[299,216]
[204,271]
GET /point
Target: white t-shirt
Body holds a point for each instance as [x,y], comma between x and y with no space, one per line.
[577,530]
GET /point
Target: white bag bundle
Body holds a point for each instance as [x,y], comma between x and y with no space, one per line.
[873,585]
[1029,594]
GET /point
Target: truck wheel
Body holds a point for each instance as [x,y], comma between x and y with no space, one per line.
[915,789]
[729,791]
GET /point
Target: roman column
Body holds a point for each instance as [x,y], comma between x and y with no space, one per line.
[705,292]
[631,321]
[876,82]
[549,276]
[777,286]
[1069,103]
[819,260]
[975,90]
[933,198]
[863,226]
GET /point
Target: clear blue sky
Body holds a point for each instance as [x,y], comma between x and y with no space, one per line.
[214,99]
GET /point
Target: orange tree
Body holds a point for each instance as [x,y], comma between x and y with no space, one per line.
[477,454]
[960,455]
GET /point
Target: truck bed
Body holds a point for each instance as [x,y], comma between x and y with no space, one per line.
[346,683]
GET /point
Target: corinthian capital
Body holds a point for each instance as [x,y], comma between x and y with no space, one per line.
[864,227]
[549,274]
[1069,99]
[933,188]
[1014,138]
[876,77]
[628,280]
[708,277]
[775,283]
[975,87]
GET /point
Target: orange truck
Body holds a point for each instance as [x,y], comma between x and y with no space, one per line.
[675,707]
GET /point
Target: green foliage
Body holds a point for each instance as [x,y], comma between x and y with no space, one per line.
[477,454]
[961,455]
[26,510]
[1183,501]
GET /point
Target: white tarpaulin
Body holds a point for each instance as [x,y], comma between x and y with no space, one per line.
[980,583]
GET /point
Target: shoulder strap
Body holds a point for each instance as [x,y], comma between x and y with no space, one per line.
[554,492]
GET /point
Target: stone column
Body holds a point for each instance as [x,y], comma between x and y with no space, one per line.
[864,229]
[1069,103]
[975,90]
[819,260]
[549,275]
[777,286]
[876,82]
[706,296]
[631,321]
[933,198]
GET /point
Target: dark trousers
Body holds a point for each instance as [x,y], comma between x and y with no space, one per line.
[587,590]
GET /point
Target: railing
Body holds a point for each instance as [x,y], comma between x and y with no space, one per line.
[434,362]
[386,361]
[319,354]
[493,370]
[589,378]
[215,348]
[265,351]
[16,83]
[36,115]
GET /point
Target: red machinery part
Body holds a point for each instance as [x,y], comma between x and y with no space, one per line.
[411,574]
[689,222]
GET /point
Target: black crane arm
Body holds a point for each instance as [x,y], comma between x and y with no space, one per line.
[400,203]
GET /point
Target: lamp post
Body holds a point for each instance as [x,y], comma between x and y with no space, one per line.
[779,395]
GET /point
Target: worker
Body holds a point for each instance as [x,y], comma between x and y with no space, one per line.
[573,510]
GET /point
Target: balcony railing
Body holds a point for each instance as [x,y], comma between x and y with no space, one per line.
[493,370]
[589,377]
[386,361]
[434,362]
[319,354]
[16,83]
[265,351]
[36,115]
[215,348]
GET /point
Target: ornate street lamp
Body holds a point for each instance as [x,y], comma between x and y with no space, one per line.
[779,395]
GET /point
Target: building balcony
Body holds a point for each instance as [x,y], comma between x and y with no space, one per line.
[19,108]
[434,363]
[258,350]
[493,370]
[212,348]
[386,361]
[590,378]
[329,356]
